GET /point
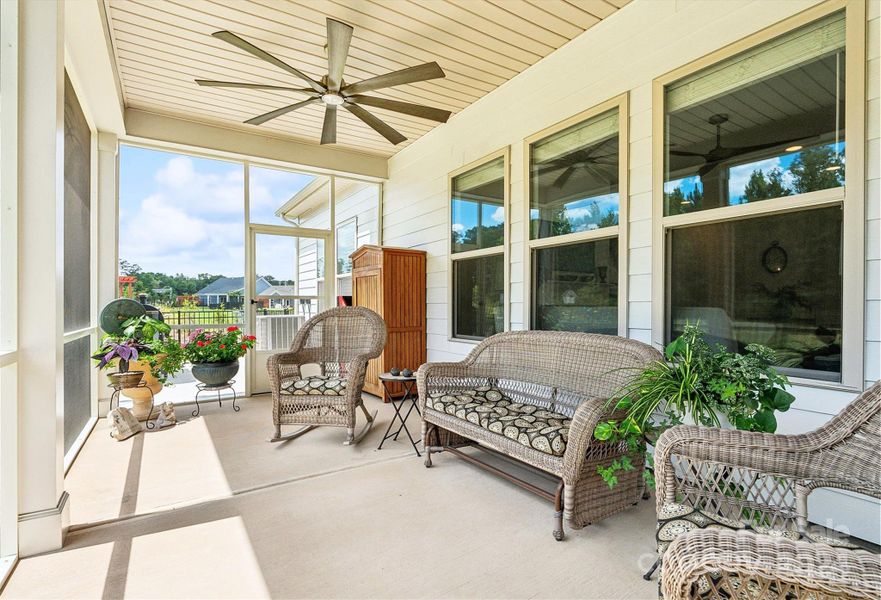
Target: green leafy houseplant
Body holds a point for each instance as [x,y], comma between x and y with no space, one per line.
[698,383]
[149,339]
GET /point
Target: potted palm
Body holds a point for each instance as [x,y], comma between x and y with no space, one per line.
[215,354]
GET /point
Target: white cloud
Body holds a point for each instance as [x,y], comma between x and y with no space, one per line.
[498,215]
[458,227]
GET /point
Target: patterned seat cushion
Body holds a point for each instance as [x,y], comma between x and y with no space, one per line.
[677,519]
[487,407]
[316,385]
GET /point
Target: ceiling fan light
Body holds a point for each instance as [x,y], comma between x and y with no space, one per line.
[793,149]
[332,99]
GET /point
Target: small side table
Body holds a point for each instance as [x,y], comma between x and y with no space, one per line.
[398,404]
[204,387]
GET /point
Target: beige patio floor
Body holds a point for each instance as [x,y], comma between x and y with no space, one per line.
[232,516]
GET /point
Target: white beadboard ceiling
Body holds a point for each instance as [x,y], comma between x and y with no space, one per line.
[161,46]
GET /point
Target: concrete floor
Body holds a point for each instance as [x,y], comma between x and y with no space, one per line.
[210,509]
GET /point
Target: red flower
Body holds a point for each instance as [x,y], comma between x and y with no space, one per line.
[222,346]
[233,328]
[251,337]
[244,346]
[200,343]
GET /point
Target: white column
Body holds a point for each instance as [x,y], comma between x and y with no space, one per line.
[108,237]
[43,508]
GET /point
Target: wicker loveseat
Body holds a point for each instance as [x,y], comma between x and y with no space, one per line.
[536,396]
[733,509]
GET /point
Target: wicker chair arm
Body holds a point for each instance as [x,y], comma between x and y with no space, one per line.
[588,414]
[807,569]
[429,371]
[283,365]
[767,453]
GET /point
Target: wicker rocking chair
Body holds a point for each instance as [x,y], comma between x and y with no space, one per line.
[733,509]
[336,344]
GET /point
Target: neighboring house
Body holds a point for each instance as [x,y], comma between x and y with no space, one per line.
[228,291]
[277,296]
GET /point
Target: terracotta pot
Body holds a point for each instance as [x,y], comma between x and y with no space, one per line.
[140,397]
[215,374]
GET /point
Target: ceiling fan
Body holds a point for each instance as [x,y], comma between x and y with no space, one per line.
[587,159]
[333,91]
[719,153]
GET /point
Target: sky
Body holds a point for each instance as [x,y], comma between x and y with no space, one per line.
[738,176]
[185,214]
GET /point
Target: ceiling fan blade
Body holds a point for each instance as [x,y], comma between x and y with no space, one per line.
[260,119]
[328,131]
[417,110]
[253,86]
[339,36]
[423,72]
[231,38]
[379,126]
[684,153]
[564,177]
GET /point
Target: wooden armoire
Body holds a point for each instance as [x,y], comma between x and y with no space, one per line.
[391,281]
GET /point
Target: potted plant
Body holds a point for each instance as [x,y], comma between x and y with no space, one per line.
[143,347]
[215,354]
[120,353]
[708,387]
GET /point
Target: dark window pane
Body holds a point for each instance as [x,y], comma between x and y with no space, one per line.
[772,280]
[479,296]
[478,207]
[766,124]
[573,178]
[576,287]
[77,388]
[77,212]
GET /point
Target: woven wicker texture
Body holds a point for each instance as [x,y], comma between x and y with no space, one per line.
[339,341]
[764,480]
[570,373]
[715,563]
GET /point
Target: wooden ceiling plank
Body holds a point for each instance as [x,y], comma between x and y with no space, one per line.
[378,31]
[599,8]
[539,17]
[571,13]
[218,68]
[512,21]
[488,27]
[276,44]
[372,59]
[405,21]
[417,54]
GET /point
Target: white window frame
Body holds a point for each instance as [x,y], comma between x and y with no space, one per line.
[850,196]
[336,241]
[9,72]
[503,249]
[622,104]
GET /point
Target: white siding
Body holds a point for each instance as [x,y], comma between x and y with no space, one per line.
[622,54]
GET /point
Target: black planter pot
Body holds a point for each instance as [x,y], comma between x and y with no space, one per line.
[215,374]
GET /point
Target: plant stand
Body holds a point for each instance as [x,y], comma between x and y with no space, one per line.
[143,384]
[204,387]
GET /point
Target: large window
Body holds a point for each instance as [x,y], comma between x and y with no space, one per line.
[478,197]
[754,198]
[574,208]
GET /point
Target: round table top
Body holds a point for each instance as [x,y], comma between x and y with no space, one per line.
[390,377]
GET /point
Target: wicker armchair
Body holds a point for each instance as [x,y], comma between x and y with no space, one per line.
[714,482]
[536,396]
[336,343]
